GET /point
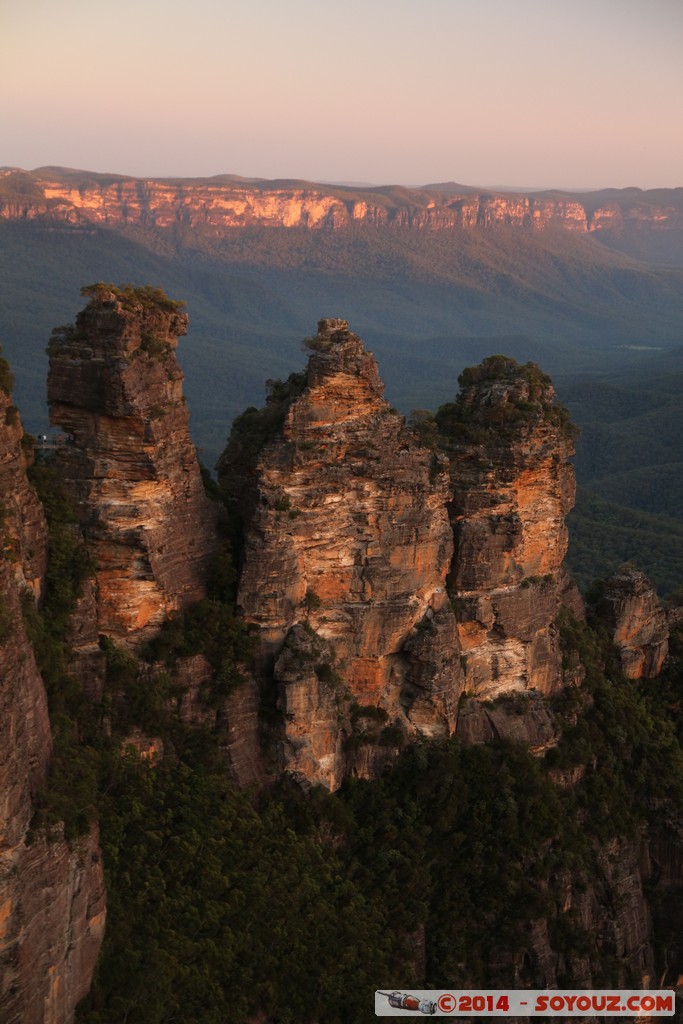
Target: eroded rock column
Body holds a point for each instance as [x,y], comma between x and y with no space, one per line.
[509,446]
[349,540]
[115,389]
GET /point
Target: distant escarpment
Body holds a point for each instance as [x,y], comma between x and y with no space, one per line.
[385,577]
[128,462]
[221,203]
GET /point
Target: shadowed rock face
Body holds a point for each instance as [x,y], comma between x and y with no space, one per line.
[637,623]
[512,488]
[51,894]
[116,388]
[350,537]
[23,521]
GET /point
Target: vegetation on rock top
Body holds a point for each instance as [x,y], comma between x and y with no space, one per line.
[132,297]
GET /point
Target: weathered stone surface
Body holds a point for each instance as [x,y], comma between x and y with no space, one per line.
[235,719]
[116,388]
[51,896]
[512,488]
[313,701]
[23,521]
[25,740]
[637,623]
[52,917]
[350,536]
[521,718]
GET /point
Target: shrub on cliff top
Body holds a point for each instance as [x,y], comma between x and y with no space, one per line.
[254,428]
[130,296]
[499,415]
[499,367]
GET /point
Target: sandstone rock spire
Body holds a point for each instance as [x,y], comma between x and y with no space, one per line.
[347,549]
[115,388]
[513,485]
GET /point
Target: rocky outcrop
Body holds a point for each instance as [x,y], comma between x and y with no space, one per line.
[131,469]
[23,521]
[26,745]
[235,720]
[349,539]
[509,446]
[637,623]
[51,894]
[213,205]
[610,908]
[52,917]
[522,718]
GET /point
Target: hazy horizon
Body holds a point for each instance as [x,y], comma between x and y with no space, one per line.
[496,186]
[570,94]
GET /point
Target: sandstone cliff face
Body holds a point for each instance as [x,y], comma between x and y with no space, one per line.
[349,539]
[213,205]
[611,908]
[52,916]
[512,488]
[51,895]
[637,623]
[23,521]
[116,388]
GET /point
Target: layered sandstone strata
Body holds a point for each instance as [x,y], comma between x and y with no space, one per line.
[218,204]
[637,623]
[348,539]
[23,521]
[509,446]
[51,893]
[115,388]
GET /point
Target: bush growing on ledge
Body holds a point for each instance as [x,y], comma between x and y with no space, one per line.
[148,296]
[209,628]
[482,423]
[254,428]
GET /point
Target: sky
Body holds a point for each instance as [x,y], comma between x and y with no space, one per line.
[524,93]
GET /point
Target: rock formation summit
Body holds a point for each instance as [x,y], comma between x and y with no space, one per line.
[509,446]
[347,550]
[115,388]
[385,577]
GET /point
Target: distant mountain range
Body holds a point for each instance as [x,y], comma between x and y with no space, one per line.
[589,285]
[228,201]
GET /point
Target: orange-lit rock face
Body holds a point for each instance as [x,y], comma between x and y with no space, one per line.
[350,536]
[637,623]
[513,487]
[23,521]
[214,205]
[116,388]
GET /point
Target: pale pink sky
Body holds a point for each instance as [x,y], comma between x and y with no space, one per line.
[561,93]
